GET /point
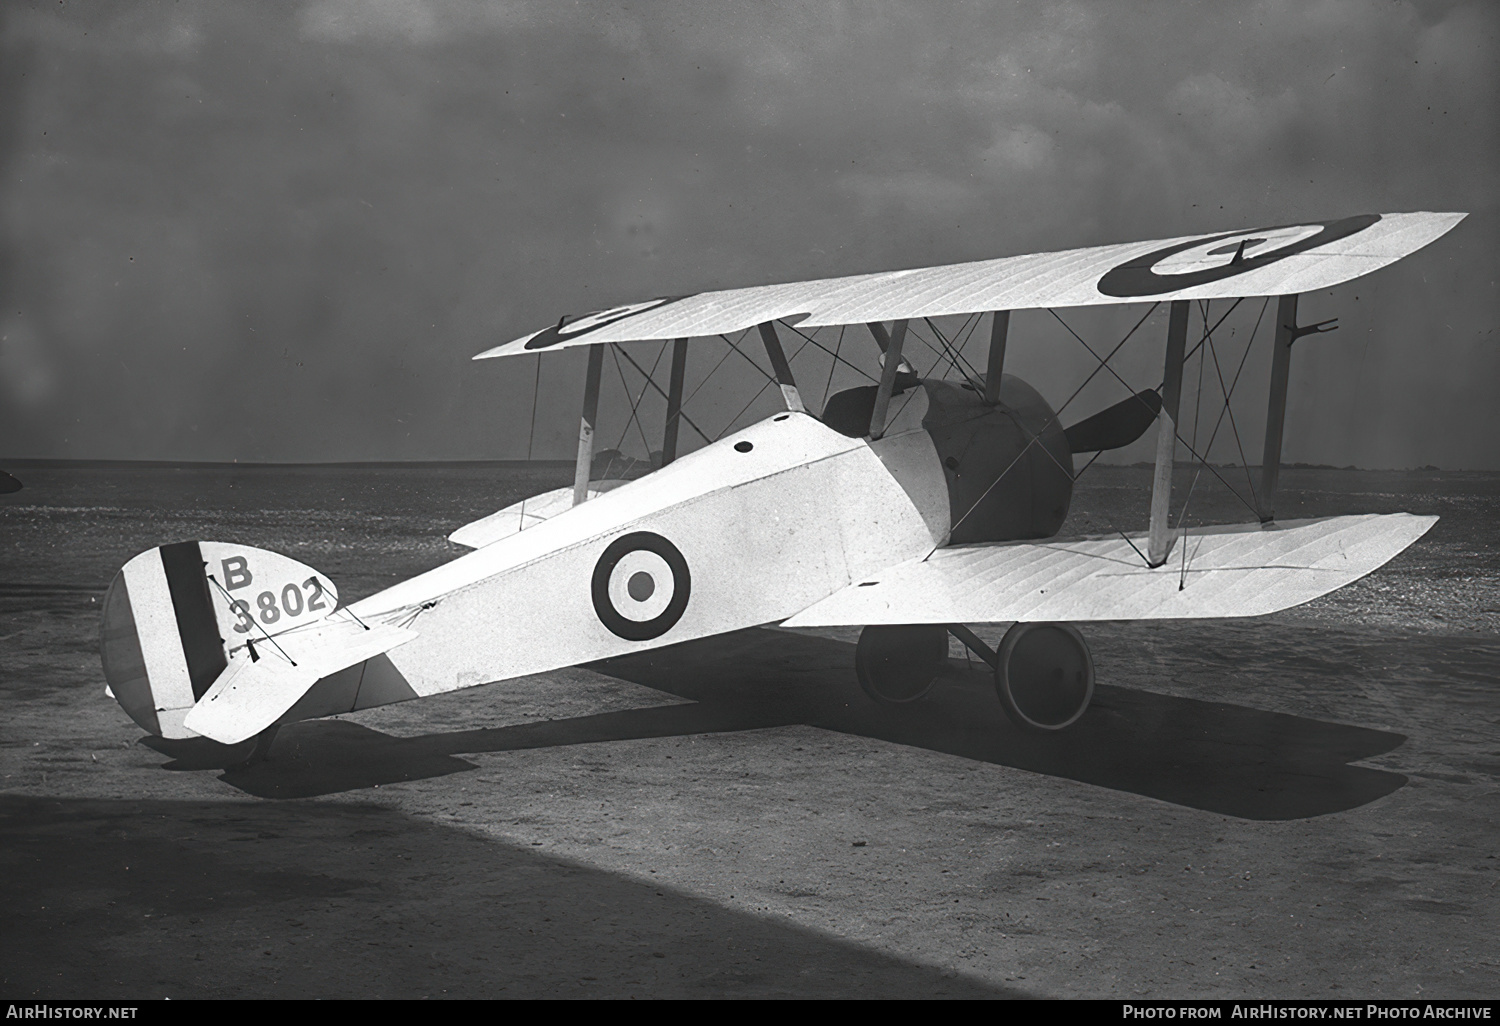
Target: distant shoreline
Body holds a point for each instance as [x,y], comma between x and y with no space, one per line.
[83,464]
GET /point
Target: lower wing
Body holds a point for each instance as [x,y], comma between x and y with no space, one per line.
[1220,571]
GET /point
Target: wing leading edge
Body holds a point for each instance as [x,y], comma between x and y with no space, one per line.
[1280,260]
[1234,570]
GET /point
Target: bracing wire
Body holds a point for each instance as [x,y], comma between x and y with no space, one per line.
[758,394]
[1227,408]
[652,382]
[833,365]
[614,352]
[838,359]
[716,366]
[636,405]
[536,389]
[1197,417]
[268,637]
[1055,416]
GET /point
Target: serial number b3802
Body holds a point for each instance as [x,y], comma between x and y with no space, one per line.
[291,601]
[281,601]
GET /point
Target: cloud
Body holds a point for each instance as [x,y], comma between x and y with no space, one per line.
[331,205]
[26,372]
[1024,148]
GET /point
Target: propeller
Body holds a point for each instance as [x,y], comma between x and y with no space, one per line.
[1116,426]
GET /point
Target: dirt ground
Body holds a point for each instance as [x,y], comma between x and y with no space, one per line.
[1302,805]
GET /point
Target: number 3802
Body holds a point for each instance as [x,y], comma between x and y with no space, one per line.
[293,604]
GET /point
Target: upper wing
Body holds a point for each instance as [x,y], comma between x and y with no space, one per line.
[1235,570]
[1261,262]
[252,694]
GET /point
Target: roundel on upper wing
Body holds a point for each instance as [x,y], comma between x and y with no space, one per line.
[561,332]
[1217,257]
[641,586]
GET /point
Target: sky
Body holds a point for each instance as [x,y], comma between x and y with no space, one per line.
[278,231]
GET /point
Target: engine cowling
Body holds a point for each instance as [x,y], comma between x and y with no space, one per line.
[978,445]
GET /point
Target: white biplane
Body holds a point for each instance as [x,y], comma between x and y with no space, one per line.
[910,507]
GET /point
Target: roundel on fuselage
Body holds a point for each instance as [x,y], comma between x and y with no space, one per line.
[640,586]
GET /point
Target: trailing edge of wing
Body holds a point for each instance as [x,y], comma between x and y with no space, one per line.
[250,695]
[1234,570]
[1274,261]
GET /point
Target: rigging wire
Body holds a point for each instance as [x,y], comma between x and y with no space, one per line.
[1197,416]
[968,371]
[940,357]
[685,418]
[1228,395]
[614,352]
[230,600]
[1055,416]
[1228,409]
[837,358]
[636,405]
[536,388]
[757,395]
[716,366]
[833,365]
[1104,364]
[769,378]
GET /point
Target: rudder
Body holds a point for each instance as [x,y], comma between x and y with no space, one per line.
[174,615]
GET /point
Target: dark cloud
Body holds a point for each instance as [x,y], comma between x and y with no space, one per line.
[278,231]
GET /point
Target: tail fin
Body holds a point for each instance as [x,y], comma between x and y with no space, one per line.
[175,615]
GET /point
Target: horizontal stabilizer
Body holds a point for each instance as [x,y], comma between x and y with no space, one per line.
[252,694]
[1117,426]
[1230,570]
[526,513]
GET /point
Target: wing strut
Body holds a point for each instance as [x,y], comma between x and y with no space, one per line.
[999,330]
[1287,332]
[586,425]
[1160,543]
[888,372]
[1281,367]
[674,401]
[782,368]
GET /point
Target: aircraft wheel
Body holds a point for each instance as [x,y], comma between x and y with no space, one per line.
[897,664]
[1045,676]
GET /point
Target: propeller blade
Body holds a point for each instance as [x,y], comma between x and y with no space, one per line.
[1117,426]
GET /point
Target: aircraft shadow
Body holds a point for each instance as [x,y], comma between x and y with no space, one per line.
[138,898]
[1213,756]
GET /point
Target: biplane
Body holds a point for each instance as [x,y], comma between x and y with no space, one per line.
[913,507]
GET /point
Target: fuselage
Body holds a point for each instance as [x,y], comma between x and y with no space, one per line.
[748,530]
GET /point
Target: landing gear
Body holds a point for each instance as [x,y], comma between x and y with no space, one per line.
[897,664]
[1044,674]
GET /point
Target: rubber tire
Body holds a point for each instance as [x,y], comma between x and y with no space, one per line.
[1045,676]
[896,664]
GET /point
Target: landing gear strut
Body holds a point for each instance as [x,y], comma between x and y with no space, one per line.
[1044,673]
